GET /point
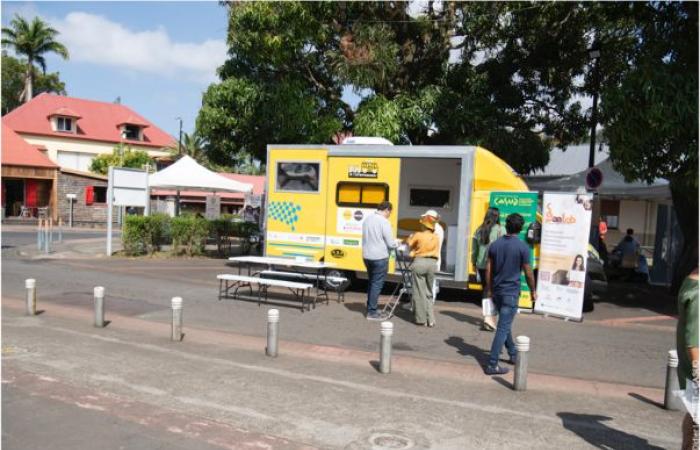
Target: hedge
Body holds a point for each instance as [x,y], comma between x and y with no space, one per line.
[144,234]
[188,233]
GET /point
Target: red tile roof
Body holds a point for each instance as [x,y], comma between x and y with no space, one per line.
[17,152]
[258,182]
[66,112]
[99,120]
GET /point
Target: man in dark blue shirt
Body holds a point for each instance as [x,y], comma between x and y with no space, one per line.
[508,256]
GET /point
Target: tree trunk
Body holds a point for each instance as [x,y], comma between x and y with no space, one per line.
[29,81]
[685,204]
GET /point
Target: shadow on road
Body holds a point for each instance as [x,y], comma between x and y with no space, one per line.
[591,429]
[463,348]
[646,400]
[459,317]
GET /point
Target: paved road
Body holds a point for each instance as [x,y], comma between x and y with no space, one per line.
[13,239]
[592,384]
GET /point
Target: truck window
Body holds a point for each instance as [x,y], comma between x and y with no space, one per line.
[298,176]
[363,195]
[430,198]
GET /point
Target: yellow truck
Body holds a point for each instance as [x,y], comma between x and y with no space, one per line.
[318,196]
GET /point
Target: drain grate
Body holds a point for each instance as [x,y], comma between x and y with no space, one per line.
[390,441]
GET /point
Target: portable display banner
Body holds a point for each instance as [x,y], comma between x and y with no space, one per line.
[566,223]
[525,204]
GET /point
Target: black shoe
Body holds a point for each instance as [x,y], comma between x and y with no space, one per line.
[374,316]
[495,370]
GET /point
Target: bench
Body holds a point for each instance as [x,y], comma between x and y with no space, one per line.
[317,278]
[236,282]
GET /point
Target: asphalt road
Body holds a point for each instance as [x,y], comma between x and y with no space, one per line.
[596,384]
[12,239]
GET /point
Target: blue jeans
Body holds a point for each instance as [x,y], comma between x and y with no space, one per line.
[507,307]
[376,273]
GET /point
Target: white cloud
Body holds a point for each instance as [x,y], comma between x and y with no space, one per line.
[95,39]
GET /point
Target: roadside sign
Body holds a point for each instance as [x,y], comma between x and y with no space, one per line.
[125,187]
[594,178]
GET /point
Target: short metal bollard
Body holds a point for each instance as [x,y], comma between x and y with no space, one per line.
[40,235]
[671,401]
[99,294]
[387,330]
[522,345]
[30,284]
[176,304]
[273,320]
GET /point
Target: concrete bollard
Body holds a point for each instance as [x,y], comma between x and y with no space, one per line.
[273,319]
[386,330]
[30,284]
[40,235]
[99,294]
[176,304]
[522,344]
[672,402]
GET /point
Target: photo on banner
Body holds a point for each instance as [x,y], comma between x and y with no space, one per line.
[566,222]
[525,204]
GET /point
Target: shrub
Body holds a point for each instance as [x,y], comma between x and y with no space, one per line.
[134,235]
[144,234]
[156,230]
[190,233]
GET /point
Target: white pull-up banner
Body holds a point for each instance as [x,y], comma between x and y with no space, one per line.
[566,222]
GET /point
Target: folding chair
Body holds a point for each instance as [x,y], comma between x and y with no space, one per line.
[404,287]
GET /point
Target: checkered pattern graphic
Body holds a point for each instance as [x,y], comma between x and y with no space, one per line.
[285,212]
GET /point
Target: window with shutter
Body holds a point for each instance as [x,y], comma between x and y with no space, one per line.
[89,195]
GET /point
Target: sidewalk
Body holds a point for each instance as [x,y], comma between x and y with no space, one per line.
[214,382]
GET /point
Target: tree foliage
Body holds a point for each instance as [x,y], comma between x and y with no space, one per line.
[32,40]
[121,156]
[477,73]
[650,110]
[13,73]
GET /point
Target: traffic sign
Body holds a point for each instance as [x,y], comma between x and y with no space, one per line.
[594,178]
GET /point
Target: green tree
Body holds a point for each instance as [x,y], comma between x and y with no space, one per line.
[32,40]
[120,157]
[13,72]
[193,146]
[420,77]
[650,110]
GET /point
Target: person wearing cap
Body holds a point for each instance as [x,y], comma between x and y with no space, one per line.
[433,215]
[425,249]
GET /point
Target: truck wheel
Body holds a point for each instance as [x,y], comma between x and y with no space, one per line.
[332,285]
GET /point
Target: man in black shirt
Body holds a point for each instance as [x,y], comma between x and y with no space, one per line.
[508,256]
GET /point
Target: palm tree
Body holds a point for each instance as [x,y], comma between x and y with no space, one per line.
[32,40]
[193,146]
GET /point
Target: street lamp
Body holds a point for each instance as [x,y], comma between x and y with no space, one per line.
[179,153]
[594,55]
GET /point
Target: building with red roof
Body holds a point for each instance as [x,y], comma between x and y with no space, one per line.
[73,131]
[29,177]
[195,201]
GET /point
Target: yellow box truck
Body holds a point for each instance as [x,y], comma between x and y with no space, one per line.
[318,196]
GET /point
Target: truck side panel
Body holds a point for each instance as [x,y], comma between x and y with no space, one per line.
[296,205]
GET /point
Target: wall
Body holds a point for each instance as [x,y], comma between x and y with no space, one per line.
[54,144]
[94,215]
[639,215]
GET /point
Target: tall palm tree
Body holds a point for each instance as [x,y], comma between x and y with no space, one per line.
[32,40]
[193,146]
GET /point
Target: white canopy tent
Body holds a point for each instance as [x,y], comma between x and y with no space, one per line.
[188,174]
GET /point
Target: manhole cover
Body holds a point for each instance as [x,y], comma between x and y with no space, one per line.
[390,441]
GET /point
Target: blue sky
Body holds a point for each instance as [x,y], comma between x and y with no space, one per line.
[159,57]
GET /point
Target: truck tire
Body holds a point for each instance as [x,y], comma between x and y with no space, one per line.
[339,287]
